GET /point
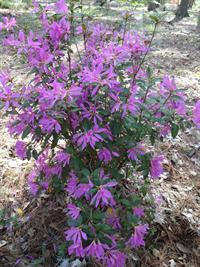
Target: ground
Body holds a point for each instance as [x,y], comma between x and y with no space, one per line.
[176,52]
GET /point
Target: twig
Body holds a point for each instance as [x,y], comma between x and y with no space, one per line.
[149,46]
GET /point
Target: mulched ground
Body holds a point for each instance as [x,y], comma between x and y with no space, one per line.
[176,242]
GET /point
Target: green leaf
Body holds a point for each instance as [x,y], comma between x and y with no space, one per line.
[57,184]
[105,228]
[84,27]
[26,132]
[154,18]
[75,223]
[62,250]
[55,140]
[174,130]
[38,132]
[130,123]
[132,219]
[104,239]
[76,163]
[33,71]
[92,191]
[153,136]
[85,172]
[97,215]
[126,202]
[145,173]
[35,154]
[115,127]
[149,72]
[96,173]
[28,153]
[87,125]
[135,200]
[133,163]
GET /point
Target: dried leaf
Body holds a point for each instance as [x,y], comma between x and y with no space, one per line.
[3,243]
[183,249]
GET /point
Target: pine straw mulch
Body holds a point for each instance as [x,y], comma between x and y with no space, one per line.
[175,243]
[39,233]
[40,222]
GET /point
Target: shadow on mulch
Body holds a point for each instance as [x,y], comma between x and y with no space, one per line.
[39,235]
[175,244]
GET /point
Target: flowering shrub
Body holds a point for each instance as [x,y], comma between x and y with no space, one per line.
[86,118]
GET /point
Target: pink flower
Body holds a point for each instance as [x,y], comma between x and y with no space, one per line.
[102,174]
[32,182]
[49,124]
[7,96]
[136,151]
[61,7]
[131,105]
[103,197]
[33,188]
[165,129]
[168,84]
[113,219]
[74,91]
[73,211]
[96,74]
[55,32]
[8,23]
[109,184]
[40,56]
[82,190]
[196,114]
[117,103]
[90,111]
[75,120]
[180,107]
[137,238]
[63,157]
[20,149]
[91,137]
[79,29]
[139,212]
[96,249]
[72,183]
[36,6]
[52,170]
[105,154]
[76,235]
[45,185]
[156,168]
[114,258]
[77,249]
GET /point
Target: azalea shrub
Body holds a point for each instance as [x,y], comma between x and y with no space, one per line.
[89,116]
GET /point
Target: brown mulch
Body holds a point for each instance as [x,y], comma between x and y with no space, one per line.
[40,232]
[41,222]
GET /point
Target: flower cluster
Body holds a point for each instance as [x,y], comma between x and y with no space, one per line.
[7,24]
[88,118]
